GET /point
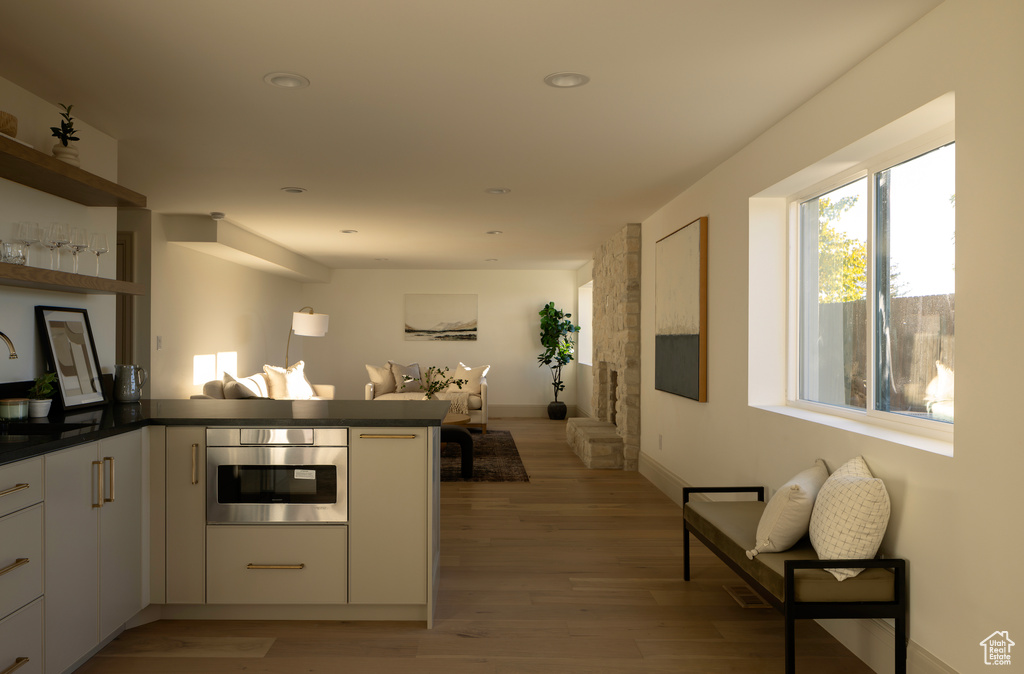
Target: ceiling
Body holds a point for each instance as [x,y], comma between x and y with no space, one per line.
[416,107]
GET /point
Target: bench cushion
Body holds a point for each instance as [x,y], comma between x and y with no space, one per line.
[731,527]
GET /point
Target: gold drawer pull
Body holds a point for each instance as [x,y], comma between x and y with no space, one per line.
[98,465]
[384,436]
[21,561]
[195,473]
[17,663]
[297,567]
[5,492]
[111,476]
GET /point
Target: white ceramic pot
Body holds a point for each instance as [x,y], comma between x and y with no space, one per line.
[68,155]
[38,408]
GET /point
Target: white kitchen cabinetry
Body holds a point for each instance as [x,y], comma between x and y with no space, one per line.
[388,515]
[21,567]
[94,543]
[186,515]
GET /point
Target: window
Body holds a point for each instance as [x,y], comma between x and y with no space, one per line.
[875,290]
[585,318]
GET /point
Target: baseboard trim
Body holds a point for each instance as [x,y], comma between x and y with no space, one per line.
[520,411]
[870,640]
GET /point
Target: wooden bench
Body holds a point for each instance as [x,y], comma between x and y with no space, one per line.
[795,581]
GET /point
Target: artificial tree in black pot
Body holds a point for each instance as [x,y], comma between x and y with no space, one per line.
[556,331]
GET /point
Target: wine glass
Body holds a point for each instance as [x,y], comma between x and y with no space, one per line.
[78,242]
[50,238]
[27,234]
[98,245]
[62,236]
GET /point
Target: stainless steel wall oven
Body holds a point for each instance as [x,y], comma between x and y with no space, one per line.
[277,475]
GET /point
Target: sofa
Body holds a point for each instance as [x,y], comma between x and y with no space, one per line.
[274,383]
[394,381]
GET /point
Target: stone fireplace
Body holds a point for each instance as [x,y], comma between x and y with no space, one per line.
[612,438]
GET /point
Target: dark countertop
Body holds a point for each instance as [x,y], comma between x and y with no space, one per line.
[33,437]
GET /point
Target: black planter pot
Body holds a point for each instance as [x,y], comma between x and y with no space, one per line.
[556,410]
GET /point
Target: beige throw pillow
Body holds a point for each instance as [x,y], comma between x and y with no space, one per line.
[290,384]
[403,373]
[850,516]
[381,378]
[243,388]
[788,513]
[472,375]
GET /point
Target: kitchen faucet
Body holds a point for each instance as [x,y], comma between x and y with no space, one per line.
[10,345]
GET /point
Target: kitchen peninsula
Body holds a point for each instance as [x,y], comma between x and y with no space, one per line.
[126,485]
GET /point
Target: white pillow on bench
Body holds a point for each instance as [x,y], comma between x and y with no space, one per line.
[786,517]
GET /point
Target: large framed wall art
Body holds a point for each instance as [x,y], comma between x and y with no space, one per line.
[440,318]
[70,351]
[681,312]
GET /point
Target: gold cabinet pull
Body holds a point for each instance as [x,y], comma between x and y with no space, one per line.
[110,475]
[195,459]
[98,465]
[17,487]
[17,663]
[386,436]
[21,561]
[297,567]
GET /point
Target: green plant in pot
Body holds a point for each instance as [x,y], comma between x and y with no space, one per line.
[40,395]
[65,133]
[556,336]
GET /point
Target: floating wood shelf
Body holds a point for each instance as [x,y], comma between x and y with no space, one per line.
[32,168]
[46,279]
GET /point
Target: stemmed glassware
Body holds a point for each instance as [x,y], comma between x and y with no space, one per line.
[51,238]
[78,242]
[27,234]
[98,245]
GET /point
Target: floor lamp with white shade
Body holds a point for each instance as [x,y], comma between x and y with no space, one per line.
[306,323]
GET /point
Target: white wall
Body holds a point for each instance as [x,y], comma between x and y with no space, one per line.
[955,519]
[367,326]
[98,154]
[205,305]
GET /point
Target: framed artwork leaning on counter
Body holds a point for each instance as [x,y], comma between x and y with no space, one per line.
[70,351]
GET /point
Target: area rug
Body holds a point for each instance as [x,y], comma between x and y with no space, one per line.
[495,459]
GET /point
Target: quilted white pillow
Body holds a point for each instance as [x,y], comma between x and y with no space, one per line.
[788,513]
[290,384]
[850,516]
[472,375]
[382,379]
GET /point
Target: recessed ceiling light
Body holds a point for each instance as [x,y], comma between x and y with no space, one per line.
[497,190]
[491,259]
[286,80]
[566,80]
[350,231]
[381,259]
[294,190]
[495,231]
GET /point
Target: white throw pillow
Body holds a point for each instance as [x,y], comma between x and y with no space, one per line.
[850,516]
[382,379]
[253,386]
[472,375]
[786,517]
[290,384]
[402,373]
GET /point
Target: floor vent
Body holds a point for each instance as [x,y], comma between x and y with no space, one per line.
[745,597]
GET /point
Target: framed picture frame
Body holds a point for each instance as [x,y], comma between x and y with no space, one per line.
[681,312]
[70,351]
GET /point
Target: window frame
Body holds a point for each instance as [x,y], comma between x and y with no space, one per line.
[929,428]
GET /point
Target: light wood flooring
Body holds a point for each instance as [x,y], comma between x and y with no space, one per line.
[577,571]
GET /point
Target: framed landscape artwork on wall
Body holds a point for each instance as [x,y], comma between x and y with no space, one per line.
[70,351]
[681,312]
[446,318]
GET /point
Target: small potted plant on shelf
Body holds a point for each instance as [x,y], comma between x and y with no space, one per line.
[556,332]
[66,134]
[40,395]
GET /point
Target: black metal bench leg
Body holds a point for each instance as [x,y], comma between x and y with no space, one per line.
[790,645]
[686,554]
[901,646]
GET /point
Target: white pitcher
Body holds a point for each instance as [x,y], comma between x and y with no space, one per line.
[128,382]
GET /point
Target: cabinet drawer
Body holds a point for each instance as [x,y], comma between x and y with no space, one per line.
[21,636]
[21,485]
[241,561]
[21,539]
